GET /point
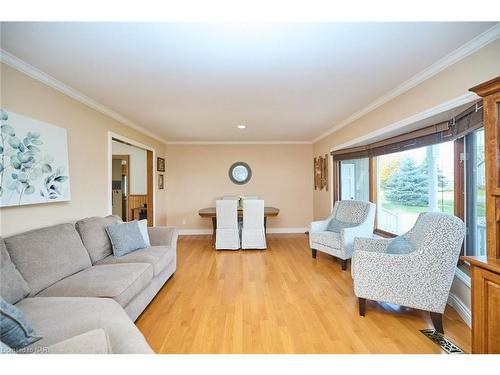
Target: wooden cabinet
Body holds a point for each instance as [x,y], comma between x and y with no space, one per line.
[490,92]
[485,305]
[485,271]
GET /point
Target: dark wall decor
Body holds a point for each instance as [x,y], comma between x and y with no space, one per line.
[240,173]
[160,164]
[321,173]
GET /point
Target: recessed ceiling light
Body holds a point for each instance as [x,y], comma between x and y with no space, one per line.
[242,126]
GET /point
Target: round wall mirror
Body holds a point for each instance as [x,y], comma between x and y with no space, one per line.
[240,173]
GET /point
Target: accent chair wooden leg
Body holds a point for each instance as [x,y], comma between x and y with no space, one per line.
[343,263]
[314,252]
[437,321]
[362,306]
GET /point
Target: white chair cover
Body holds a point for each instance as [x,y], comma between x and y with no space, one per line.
[250,197]
[253,235]
[227,236]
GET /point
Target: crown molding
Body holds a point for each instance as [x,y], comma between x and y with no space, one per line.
[467,49]
[466,98]
[31,71]
[460,53]
[239,143]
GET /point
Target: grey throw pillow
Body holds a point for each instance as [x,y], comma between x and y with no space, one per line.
[125,237]
[143,226]
[13,287]
[336,225]
[399,245]
[5,349]
[15,331]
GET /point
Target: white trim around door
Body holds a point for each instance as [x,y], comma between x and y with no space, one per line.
[122,138]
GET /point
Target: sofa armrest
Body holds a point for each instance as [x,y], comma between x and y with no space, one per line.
[163,236]
[91,342]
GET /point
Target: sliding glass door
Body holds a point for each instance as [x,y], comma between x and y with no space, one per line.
[354,181]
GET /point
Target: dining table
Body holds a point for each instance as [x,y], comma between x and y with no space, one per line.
[210,212]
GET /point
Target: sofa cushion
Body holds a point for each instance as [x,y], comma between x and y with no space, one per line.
[15,330]
[326,238]
[45,256]
[92,230]
[125,238]
[12,285]
[58,319]
[158,256]
[163,236]
[143,226]
[122,282]
[92,342]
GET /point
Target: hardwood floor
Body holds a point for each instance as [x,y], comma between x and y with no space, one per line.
[279,300]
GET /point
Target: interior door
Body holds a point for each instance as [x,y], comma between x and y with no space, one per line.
[348,181]
[117,187]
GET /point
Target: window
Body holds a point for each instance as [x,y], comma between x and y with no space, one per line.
[442,168]
[411,182]
[475,197]
[354,179]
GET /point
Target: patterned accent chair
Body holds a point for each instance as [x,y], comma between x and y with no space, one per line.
[420,279]
[359,214]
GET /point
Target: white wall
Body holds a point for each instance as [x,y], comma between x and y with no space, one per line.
[282,175]
[137,168]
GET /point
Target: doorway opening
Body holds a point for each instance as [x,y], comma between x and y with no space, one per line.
[131,181]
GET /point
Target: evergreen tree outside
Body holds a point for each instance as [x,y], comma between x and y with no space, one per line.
[408,186]
[442,180]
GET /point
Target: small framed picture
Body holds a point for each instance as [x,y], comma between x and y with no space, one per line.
[160,164]
[161,182]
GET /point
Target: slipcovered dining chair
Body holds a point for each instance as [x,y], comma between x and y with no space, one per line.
[253,234]
[250,197]
[227,234]
[335,235]
[413,270]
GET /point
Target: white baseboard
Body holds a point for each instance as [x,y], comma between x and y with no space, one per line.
[197,232]
[460,308]
[287,230]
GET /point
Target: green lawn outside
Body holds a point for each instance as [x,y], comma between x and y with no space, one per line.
[445,205]
[445,202]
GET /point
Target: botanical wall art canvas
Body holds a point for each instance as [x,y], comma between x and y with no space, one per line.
[33,161]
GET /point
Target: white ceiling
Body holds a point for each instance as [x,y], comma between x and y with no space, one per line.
[197,82]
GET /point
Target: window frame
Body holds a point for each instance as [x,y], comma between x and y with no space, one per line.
[459,184]
[468,122]
[337,165]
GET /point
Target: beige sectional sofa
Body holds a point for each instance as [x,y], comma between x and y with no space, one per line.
[78,296]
